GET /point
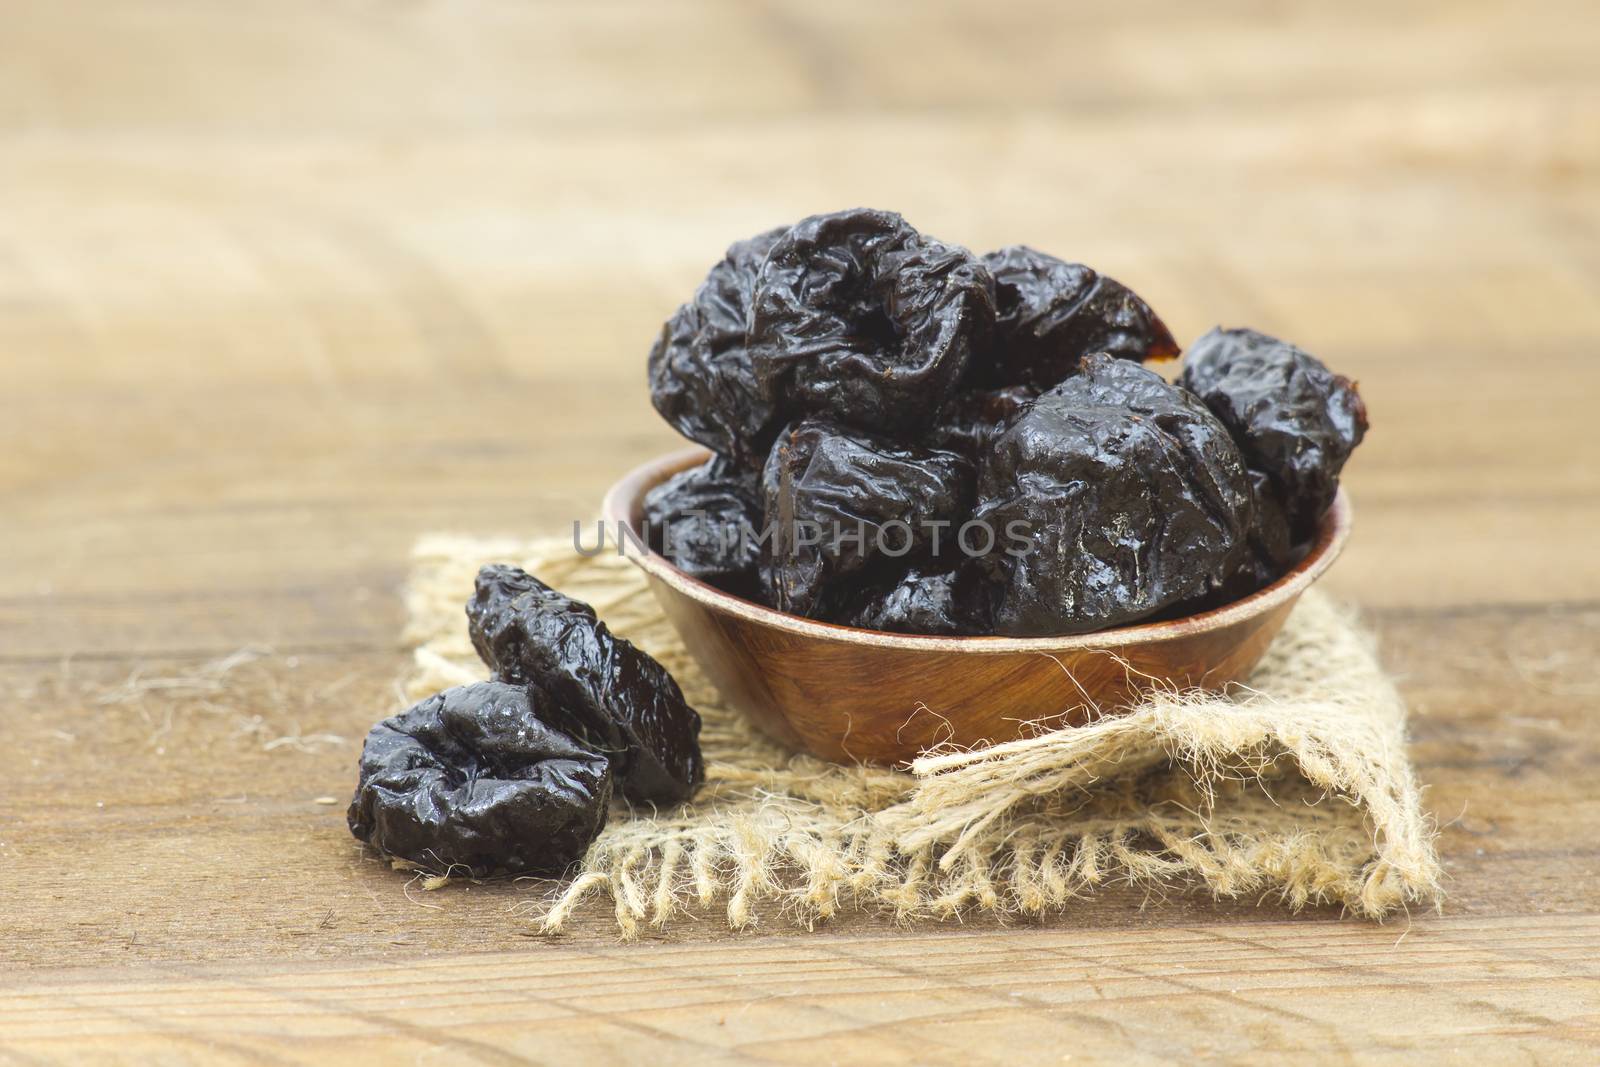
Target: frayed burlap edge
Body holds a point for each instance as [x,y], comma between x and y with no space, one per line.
[1297,788]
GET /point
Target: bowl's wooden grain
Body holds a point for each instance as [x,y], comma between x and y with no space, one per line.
[858,695]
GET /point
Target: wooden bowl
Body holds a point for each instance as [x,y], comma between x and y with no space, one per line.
[853,695]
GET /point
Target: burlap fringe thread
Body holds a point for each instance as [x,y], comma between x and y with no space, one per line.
[1297,789]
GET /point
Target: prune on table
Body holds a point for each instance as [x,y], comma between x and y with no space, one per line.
[704,520]
[1131,496]
[473,778]
[1051,313]
[702,380]
[859,319]
[838,501]
[951,602]
[973,419]
[593,684]
[1294,420]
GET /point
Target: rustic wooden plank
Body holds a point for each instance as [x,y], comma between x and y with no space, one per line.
[1513,989]
[266,69]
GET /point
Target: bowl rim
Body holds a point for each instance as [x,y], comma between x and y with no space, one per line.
[624,499]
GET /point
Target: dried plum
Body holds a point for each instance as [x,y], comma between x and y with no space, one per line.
[1051,313]
[472,778]
[702,380]
[594,684]
[1294,420]
[1132,494]
[839,500]
[952,602]
[704,520]
[860,319]
[1266,556]
[973,419]
[1269,545]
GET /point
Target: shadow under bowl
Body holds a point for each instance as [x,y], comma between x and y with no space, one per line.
[852,696]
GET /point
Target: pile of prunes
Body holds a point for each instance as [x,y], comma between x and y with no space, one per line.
[911,438]
[516,774]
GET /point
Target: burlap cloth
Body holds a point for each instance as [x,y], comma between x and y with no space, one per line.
[1297,788]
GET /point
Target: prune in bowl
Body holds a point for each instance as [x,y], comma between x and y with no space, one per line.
[854,695]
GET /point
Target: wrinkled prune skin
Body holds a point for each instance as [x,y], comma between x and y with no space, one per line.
[859,319]
[1294,420]
[1133,494]
[702,380]
[472,778]
[1266,556]
[945,603]
[1270,548]
[598,686]
[704,521]
[1051,313]
[974,418]
[838,482]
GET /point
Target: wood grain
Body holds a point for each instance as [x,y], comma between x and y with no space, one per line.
[284,286]
[1511,990]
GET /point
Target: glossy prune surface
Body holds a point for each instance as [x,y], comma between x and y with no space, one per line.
[973,418]
[473,778]
[705,520]
[840,502]
[1132,494]
[1051,313]
[950,602]
[702,379]
[859,319]
[595,685]
[1294,420]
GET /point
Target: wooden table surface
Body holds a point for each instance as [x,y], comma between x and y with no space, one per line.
[285,285]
